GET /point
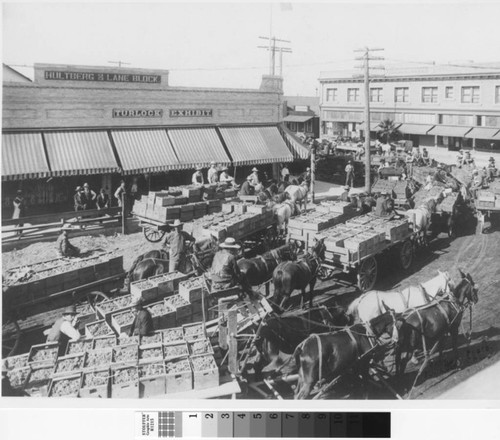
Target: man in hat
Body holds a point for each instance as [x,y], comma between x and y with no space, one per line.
[365,202]
[425,157]
[344,197]
[285,173]
[247,188]
[64,329]
[213,174]
[384,206]
[306,176]
[143,321]
[225,272]
[19,209]
[255,180]
[224,176]
[175,241]
[349,174]
[77,199]
[65,248]
[492,169]
[88,197]
[121,193]
[198,178]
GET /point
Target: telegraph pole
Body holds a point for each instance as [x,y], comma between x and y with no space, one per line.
[366,67]
[120,63]
[272,48]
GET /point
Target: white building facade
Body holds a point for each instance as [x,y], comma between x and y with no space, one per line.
[447,106]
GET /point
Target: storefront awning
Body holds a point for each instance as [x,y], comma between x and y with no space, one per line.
[449,131]
[297,118]
[23,156]
[255,145]
[414,128]
[197,146]
[374,126]
[482,133]
[80,152]
[299,150]
[145,151]
[497,136]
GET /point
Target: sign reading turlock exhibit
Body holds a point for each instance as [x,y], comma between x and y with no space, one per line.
[137,113]
[190,113]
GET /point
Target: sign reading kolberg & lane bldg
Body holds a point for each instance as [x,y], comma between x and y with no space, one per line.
[58,75]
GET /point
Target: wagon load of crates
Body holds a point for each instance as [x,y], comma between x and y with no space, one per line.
[166,362]
[448,203]
[463,175]
[361,236]
[184,203]
[31,282]
[305,226]
[423,195]
[382,185]
[420,174]
[488,199]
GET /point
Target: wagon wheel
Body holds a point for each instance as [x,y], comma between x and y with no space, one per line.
[406,254]
[153,235]
[367,274]
[95,297]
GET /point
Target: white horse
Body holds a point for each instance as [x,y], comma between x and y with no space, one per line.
[372,304]
[283,212]
[298,193]
[420,217]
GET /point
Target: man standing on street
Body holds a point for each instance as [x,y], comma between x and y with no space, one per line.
[197,178]
[175,241]
[120,193]
[349,174]
[19,208]
[225,272]
[213,174]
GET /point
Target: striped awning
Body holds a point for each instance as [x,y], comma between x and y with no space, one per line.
[144,151]
[299,150]
[297,118]
[449,131]
[414,128]
[255,145]
[482,133]
[80,152]
[23,156]
[197,146]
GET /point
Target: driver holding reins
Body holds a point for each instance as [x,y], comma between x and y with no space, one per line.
[175,243]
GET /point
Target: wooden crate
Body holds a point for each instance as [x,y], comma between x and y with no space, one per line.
[193,331]
[38,381]
[151,340]
[74,361]
[41,354]
[191,289]
[151,353]
[124,382]
[152,379]
[122,321]
[182,307]
[126,354]
[104,342]
[98,359]
[163,283]
[205,372]
[175,350]
[95,384]
[74,381]
[200,346]
[163,315]
[19,361]
[106,308]
[179,376]
[143,289]
[98,328]
[18,376]
[173,335]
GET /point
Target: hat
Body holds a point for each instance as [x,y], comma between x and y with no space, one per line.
[350,161]
[199,167]
[86,185]
[78,188]
[362,194]
[230,243]
[347,187]
[19,191]
[254,169]
[308,169]
[384,192]
[177,223]
[249,177]
[224,168]
[70,310]
[212,162]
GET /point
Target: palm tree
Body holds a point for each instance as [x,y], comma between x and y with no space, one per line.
[388,131]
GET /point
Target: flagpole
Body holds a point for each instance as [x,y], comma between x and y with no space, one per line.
[270,39]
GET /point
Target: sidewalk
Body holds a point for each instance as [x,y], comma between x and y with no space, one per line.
[450,157]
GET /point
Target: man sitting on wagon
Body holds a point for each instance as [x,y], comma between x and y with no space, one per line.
[247,188]
[64,329]
[384,206]
[64,247]
[225,272]
[492,169]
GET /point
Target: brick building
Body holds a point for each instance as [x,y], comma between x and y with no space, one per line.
[76,124]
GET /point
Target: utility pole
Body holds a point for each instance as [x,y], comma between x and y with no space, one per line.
[366,66]
[272,48]
[120,63]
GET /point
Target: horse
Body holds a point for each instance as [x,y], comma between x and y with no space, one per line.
[326,356]
[289,276]
[282,334]
[258,270]
[426,326]
[372,303]
[420,217]
[298,193]
[282,213]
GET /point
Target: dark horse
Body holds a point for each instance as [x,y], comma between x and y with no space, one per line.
[425,327]
[282,334]
[323,357]
[258,270]
[289,276]
[157,262]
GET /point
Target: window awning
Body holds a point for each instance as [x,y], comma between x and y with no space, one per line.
[197,146]
[449,131]
[23,156]
[297,118]
[145,151]
[255,145]
[497,136]
[299,150]
[80,152]
[415,128]
[482,133]
[374,126]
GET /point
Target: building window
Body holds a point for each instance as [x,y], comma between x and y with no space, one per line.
[448,92]
[497,95]
[331,94]
[401,94]
[376,95]
[352,95]
[470,95]
[429,94]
